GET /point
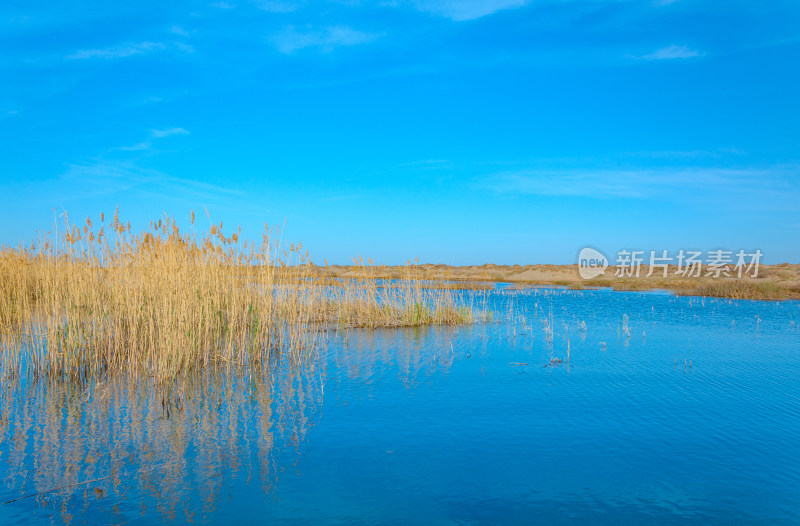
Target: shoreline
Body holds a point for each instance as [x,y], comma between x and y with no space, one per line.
[773,282]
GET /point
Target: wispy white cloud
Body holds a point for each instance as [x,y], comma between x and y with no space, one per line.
[458,10]
[100,178]
[158,134]
[223,5]
[178,30]
[146,145]
[671,53]
[128,50]
[291,39]
[684,154]
[279,6]
[430,164]
[125,50]
[772,185]
[154,134]
[461,10]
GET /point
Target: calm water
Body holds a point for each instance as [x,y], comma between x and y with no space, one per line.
[669,410]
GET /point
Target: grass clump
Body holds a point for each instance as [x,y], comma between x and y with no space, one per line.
[741,289]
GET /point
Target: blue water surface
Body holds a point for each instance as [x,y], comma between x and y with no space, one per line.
[568,407]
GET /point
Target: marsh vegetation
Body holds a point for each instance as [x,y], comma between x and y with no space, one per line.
[773,281]
[94,298]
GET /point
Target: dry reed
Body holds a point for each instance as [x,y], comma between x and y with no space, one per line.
[162,302]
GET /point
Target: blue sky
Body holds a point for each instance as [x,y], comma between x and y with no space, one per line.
[461,132]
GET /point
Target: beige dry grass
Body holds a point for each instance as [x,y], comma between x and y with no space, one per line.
[773,281]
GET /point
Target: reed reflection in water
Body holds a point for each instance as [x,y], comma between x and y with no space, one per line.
[128,447]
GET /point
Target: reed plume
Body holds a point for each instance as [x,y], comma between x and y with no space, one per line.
[163,302]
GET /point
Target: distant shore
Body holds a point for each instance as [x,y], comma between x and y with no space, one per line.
[772,282]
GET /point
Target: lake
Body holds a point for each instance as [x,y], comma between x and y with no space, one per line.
[567,407]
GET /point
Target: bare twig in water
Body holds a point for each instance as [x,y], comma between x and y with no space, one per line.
[555,362]
[58,488]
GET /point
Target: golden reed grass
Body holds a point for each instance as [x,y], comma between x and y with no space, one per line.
[162,302]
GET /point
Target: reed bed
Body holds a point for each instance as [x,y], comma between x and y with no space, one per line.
[740,289]
[161,302]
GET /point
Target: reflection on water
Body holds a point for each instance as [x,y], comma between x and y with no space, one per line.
[163,450]
[571,406]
